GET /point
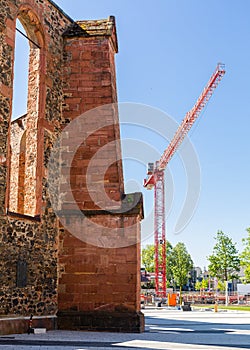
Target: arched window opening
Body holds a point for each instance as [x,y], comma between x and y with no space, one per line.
[23,188]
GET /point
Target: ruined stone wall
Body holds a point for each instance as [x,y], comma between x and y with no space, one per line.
[32,290]
[45,25]
[71,71]
[28,244]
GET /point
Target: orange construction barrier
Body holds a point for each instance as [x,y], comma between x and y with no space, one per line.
[172,299]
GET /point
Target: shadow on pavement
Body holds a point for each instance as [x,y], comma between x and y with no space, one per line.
[162,332]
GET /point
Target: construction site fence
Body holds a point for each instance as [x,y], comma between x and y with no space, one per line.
[197,297]
[216,298]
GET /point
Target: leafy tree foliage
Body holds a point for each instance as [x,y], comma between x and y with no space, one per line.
[148,258]
[180,264]
[224,261]
[221,286]
[204,283]
[245,256]
[198,285]
[201,284]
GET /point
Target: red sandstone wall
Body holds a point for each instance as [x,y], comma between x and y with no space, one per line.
[90,82]
[95,278]
[71,73]
[98,279]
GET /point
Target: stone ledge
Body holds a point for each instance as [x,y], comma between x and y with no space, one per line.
[18,324]
[11,214]
[101,321]
[131,204]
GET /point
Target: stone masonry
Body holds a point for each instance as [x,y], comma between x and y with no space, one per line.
[75,266]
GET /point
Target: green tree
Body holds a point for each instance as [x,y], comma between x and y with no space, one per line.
[245,256]
[221,286]
[198,285]
[148,258]
[181,263]
[224,261]
[148,254]
[201,284]
[204,283]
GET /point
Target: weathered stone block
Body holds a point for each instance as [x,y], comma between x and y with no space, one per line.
[114,321]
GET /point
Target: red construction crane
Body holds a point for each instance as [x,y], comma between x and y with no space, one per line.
[156,179]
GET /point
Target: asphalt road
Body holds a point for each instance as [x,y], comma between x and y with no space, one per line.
[165,329]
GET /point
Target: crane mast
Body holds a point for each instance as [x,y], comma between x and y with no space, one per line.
[155,178]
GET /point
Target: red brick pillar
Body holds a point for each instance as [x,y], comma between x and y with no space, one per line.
[99,281]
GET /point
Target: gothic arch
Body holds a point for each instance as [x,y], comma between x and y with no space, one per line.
[28,199]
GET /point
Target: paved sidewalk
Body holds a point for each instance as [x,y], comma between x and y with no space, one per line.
[165,329]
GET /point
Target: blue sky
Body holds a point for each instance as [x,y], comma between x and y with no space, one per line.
[167,52]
